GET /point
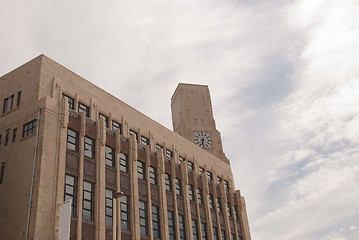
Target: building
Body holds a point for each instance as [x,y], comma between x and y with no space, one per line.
[75,141]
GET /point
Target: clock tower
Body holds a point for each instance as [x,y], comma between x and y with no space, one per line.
[192,118]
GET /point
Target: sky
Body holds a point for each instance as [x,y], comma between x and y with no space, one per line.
[283,77]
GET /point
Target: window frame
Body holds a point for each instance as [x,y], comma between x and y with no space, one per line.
[178,186]
[171,225]
[109,156]
[29,128]
[156,223]
[143,218]
[125,212]
[190,192]
[141,168]
[89,142]
[144,141]
[90,201]
[74,143]
[100,115]
[73,195]
[70,101]
[83,108]
[168,182]
[108,207]
[123,162]
[116,125]
[153,175]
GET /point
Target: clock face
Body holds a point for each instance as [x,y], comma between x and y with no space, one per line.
[203,139]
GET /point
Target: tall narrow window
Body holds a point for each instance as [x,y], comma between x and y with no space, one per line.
[229,209]
[0,139]
[88,201]
[153,175]
[158,146]
[116,126]
[201,170]
[18,98]
[14,134]
[123,162]
[156,222]
[226,186]
[29,128]
[219,179]
[125,213]
[233,236]
[178,186]
[168,184]
[181,159]
[210,201]
[143,218]
[219,206]
[215,233]
[144,141]
[209,176]
[190,166]
[169,154]
[194,229]
[12,102]
[204,231]
[100,115]
[70,101]
[109,207]
[171,225]
[71,192]
[2,172]
[236,212]
[181,227]
[89,147]
[199,196]
[110,156]
[140,170]
[72,140]
[223,234]
[6,103]
[7,136]
[134,133]
[190,191]
[84,108]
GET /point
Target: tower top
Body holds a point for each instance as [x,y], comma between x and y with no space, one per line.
[192,118]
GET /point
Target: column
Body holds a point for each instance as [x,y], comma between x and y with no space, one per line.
[117,212]
[134,201]
[162,191]
[187,206]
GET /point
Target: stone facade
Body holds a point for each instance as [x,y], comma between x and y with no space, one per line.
[77,142]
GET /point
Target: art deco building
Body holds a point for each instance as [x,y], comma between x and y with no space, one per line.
[61,137]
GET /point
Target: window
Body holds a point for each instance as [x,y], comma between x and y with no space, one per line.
[201,170]
[219,207]
[29,128]
[0,139]
[233,236]
[143,218]
[168,184]
[181,227]
[84,108]
[18,98]
[215,233]
[140,170]
[204,231]
[236,212]
[153,175]
[14,134]
[219,179]
[158,146]
[133,133]
[88,201]
[116,126]
[2,172]
[7,134]
[226,185]
[229,209]
[72,140]
[123,162]
[125,212]
[144,141]
[69,100]
[169,154]
[6,103]
[209,176]
[156,222]
[194,229]
[181,159]
[11,102]
[210,201]
[171,225]
[223,234]
[190,191]
[190,166]
[199,196]
[71,192]
[109,207]
[110,156]
[89,145]
[100,115]
[178,186]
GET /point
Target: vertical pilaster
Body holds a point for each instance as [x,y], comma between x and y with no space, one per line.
[162,191]
[195,186]
[206,205]
[224,208]
[61,163]
[243,216]
[117,201]
[173,174]
[187,206]
[100,180]
[231,200]
[215,195]
[149,199]
[80,179]
[134,198]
